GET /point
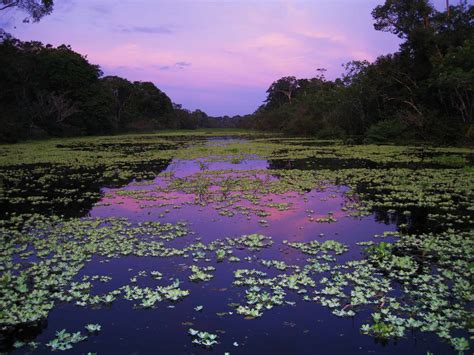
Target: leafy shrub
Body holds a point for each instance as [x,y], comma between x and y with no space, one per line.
[386,131]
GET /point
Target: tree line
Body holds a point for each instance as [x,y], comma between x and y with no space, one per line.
[53,91]
[48,91]
[424,91]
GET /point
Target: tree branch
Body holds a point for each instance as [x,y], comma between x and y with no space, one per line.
[12,4]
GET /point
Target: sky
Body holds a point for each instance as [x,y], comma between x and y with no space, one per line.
[219,56]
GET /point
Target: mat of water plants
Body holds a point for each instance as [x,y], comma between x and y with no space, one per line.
[235,243]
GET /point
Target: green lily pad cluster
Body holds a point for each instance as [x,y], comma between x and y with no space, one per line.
[203,338]
[255,241]
[314,247]
[65,340]
[93,328]
[201,273]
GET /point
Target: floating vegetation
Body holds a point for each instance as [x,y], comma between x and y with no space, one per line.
[314,247]
[148,297]
[93,328]
[203,338]
[259,300]
[280,230]
[255,241]
[201,274]
[65,340]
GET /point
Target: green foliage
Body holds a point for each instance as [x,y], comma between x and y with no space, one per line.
[65,340]
[423,92]
[380,330]
[220,254]
[203,338]
[454,161]
[387,131]
[381,250]
[255,241]
[416,281]
[201,274]
[402,17]
[48,91]
[93,328]
[54,91]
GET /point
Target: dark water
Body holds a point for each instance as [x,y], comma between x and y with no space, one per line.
[305,328]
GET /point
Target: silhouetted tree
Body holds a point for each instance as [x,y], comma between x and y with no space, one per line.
[35,9]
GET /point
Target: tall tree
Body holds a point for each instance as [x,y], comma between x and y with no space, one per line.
[402,17]
[121,92]
[150,104]
[35,9]
[282,91]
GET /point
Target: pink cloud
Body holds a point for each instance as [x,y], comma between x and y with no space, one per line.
[237,48]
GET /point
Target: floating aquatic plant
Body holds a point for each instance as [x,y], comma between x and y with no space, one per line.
[203,338]
[65,340]
[413,280]
[93,328]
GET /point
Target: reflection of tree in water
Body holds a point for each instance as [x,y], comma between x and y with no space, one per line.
[415,221]
[69,191]
[320,163]
[23,333]
[341,163]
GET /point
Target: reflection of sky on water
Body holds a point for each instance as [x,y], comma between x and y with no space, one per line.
[306,328]
[297,223]
[182,168]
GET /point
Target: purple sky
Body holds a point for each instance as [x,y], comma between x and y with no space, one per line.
[219,56]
